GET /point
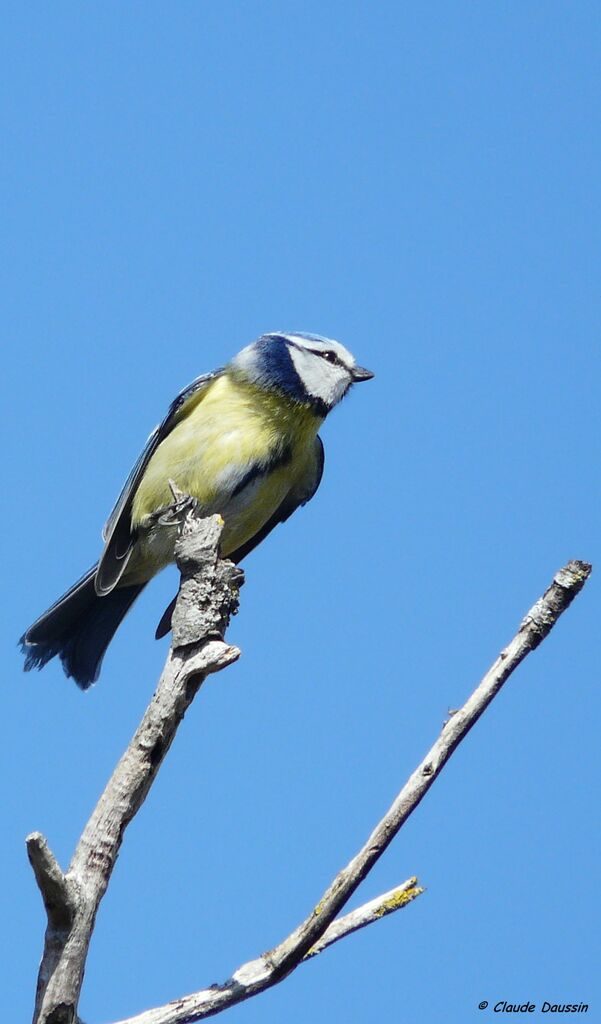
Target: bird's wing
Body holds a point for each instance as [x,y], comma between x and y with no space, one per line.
[300,493]
[117,535]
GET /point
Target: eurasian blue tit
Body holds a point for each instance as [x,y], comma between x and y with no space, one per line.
[243,442]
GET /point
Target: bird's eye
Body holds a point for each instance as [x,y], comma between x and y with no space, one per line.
[331,357]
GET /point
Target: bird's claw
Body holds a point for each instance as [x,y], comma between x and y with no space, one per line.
[173,515]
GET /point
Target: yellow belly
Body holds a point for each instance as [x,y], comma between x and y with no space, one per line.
[231,428]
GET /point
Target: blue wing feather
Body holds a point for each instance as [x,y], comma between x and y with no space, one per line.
[117,533]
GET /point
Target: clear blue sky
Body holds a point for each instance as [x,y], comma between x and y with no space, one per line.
[420,181]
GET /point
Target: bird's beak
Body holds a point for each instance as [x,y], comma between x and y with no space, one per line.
[359,373]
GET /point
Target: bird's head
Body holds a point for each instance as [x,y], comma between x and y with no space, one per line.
[304,367]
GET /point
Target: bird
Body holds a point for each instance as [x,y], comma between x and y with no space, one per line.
[241,441]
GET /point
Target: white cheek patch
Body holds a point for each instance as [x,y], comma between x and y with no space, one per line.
[341,387]
[321,379]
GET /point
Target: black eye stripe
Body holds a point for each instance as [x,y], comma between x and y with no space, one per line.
[331,358]
[329,355]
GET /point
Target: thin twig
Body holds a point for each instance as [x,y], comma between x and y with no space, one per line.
[264,972]
[368,913]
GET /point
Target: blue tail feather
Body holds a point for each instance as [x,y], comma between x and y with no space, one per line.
[78,629]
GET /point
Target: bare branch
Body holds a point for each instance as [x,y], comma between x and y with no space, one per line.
[198,650]
[264,972]
[368,913]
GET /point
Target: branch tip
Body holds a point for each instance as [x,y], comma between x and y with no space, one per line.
[52,883]
[574,574]
[366,914]
[567,584]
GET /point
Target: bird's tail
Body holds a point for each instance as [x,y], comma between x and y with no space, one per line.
[78,628]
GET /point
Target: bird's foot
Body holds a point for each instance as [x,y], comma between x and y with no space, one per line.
[174,514]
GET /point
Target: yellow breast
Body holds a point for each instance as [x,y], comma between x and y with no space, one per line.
[232,428]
